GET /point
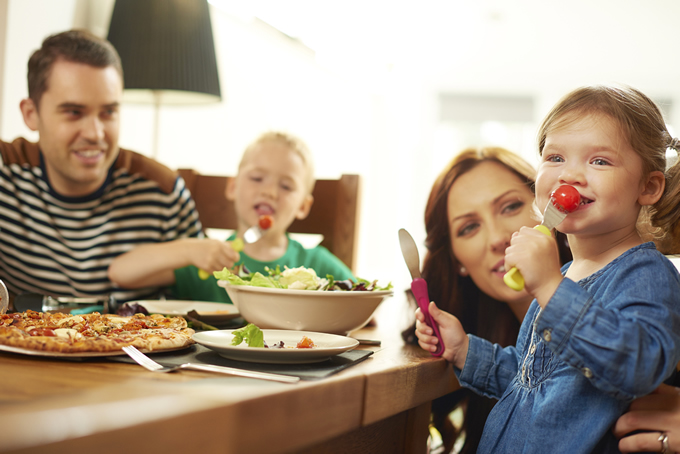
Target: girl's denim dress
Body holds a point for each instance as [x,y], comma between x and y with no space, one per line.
[578,363]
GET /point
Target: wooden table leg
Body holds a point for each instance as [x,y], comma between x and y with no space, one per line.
[417,429]
[406,432]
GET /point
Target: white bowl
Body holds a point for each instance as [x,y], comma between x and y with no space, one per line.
[304,310]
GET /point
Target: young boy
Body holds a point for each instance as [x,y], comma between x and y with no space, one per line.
[276,178]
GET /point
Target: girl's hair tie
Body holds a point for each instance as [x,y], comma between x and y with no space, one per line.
[675,144]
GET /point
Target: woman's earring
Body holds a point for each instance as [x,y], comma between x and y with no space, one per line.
[463,271]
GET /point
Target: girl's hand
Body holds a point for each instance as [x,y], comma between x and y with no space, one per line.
[536,256]
[656,413]
[212,255]
[455,340]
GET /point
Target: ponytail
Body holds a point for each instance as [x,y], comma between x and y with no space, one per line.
[665,214]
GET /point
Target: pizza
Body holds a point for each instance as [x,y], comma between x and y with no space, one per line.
[93,333]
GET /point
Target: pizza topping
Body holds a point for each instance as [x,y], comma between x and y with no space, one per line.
[42,332]
[135,325]
[118,320]
[71,321]
[67,333]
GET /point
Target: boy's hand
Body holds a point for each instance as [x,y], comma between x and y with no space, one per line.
[455,340]
[210,254]
[536,256]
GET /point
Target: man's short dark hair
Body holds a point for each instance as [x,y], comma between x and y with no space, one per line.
[78,46]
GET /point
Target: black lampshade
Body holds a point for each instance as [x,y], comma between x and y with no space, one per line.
[166,46]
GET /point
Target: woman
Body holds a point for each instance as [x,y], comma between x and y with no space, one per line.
[477,202]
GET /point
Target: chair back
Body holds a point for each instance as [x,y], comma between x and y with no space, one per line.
[334,214]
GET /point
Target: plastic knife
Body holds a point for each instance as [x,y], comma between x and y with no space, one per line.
[418,286]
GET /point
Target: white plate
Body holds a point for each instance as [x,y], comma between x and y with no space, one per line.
[209,312]
[327,345]
[26,351]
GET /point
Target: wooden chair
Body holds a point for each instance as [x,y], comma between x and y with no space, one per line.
[334,215]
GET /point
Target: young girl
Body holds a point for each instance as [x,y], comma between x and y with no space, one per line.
[606,328]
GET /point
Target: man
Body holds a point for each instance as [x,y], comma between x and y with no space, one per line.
[74,201]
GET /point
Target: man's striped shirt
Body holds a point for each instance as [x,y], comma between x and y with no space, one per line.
[63,246]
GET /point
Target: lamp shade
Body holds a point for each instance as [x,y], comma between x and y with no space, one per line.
[167,51]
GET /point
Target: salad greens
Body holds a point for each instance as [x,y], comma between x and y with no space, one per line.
[300,278]
[251,334]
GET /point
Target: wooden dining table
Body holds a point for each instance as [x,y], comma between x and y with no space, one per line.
[380,405]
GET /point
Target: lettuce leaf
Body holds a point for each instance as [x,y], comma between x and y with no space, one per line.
[300,278]
[251,334]
[226,275]
[260,280]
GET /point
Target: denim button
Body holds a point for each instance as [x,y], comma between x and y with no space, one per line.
[546,335]
[587,372]
[532,350]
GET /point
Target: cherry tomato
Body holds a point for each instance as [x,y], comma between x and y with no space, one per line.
[566,198]
[305,342]
[265,221]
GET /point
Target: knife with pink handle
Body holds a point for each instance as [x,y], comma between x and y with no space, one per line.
[418,286]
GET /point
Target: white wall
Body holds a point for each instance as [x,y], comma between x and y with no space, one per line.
[25,31]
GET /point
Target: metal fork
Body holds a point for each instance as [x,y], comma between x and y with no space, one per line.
[149,364]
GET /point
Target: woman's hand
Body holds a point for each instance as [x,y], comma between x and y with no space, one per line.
[656,414]
[536,256]
[455,340]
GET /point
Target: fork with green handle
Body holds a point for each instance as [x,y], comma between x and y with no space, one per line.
[563,200]
[251,235]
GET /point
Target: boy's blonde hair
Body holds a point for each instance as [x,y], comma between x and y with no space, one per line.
[295,144]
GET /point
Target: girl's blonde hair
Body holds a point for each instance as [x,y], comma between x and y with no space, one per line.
[643,126]
[292,142]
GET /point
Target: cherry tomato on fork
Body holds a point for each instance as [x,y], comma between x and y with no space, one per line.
[566,198]
[265,222]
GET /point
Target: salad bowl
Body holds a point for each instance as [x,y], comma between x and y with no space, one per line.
[333,312]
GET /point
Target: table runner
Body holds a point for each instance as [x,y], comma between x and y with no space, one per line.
[310,371]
